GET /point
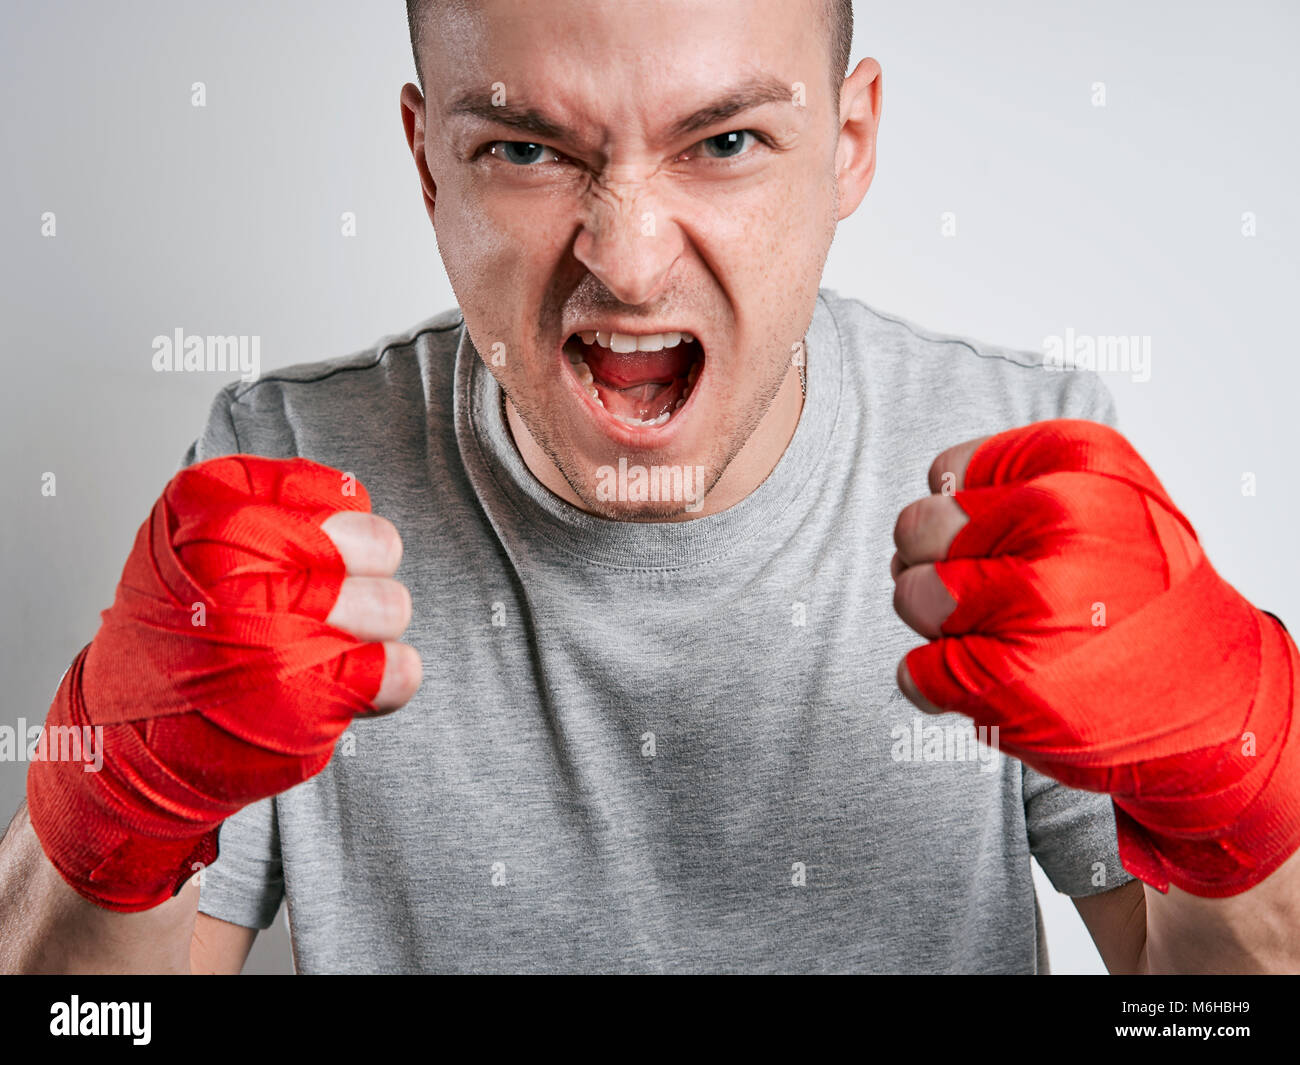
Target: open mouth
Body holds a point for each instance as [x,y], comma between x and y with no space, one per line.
[641,380]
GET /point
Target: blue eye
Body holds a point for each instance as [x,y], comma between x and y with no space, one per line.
[519,153]
[727,145]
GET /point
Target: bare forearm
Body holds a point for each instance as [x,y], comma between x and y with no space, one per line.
[46,927]
[1257,931]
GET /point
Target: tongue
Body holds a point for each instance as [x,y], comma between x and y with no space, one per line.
[626,369]
[639,384]
[643,402]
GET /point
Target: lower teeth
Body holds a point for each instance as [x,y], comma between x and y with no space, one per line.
[644,423]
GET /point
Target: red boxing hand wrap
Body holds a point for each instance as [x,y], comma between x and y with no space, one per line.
[1093,631]
[213,676]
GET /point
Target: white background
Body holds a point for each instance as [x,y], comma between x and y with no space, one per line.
[1124,219]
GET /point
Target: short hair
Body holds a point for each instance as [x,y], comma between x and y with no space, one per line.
[838,14]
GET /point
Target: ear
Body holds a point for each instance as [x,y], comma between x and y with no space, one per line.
[413,122]
[855,154]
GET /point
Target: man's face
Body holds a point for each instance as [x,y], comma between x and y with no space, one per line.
[588,201]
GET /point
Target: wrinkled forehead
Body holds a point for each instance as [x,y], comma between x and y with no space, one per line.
[618,64]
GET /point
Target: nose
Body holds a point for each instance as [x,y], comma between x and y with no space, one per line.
[628,240]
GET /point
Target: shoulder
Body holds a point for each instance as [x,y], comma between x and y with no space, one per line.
[284,412]
[898,360]
[433,337]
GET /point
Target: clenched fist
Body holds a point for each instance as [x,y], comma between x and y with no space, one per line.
[1069,603]
[256,615]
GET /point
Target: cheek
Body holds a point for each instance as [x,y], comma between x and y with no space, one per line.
[776,228]
[483,242]
[499,252]
[487,235]
[769,248]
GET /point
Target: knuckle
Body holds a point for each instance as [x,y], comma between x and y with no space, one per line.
[937,469]
[903,592]
[388,541]
[905,528]
[405,668]
[406,608]
[910,590]
[949,520]
[903,676]
[367,543]
[928,510]
[393,602]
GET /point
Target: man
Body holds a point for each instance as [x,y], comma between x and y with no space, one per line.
[654,492]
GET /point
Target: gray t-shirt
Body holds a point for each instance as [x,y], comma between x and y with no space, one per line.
[657,747]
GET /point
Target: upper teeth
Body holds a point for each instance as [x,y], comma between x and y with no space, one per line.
[625,342]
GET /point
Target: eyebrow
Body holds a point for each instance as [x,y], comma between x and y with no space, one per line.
[744,97]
